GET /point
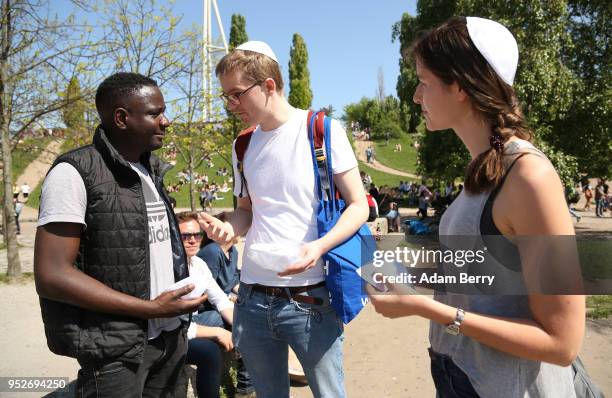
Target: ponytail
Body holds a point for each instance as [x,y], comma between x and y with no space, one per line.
[486,171]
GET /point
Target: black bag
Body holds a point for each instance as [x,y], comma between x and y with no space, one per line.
[583,384]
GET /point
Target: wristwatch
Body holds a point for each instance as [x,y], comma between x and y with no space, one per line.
[454,328]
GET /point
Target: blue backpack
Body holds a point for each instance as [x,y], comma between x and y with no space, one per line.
[342,263]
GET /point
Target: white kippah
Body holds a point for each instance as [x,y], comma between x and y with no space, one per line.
[258,47]
[496,44]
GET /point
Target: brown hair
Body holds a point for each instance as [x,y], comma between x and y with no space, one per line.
[186,216]
[255,67]
[449,53]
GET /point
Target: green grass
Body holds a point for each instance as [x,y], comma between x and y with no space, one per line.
[595,257]
[404,160]
[182,197]
[24,154]
[599,306]
[380,178]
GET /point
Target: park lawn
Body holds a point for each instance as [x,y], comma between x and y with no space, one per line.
[182,197]
[595,257]
[599,306]
[404,160]
[380,178]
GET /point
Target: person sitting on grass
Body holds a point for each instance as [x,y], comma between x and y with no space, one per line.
[222,261]
[207,335]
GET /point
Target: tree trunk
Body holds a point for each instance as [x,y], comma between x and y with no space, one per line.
[10,230]
[191,200]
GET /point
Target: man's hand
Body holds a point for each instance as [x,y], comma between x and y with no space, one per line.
[310,253]
[169,304]
[223,338]
[220,232]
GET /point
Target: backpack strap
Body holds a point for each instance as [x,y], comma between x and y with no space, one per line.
[240,146]
[318,139]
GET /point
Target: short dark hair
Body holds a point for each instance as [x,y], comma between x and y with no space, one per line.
[186,216]
[119,85]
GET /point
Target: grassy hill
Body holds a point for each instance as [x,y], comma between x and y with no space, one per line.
[404,160]
[24,154]
[182,197]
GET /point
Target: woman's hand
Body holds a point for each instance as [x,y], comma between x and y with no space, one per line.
[395,304]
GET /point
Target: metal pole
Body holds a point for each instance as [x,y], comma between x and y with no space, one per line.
[204,55]
[209,48]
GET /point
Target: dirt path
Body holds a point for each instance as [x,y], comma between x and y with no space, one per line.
[360,147]
[37,170]
[383,358]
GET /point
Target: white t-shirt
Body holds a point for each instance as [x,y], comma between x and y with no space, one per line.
[216,296]
[280,178]
[25,188]
[64,199]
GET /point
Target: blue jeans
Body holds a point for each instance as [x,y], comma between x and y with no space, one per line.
[599,207]
[208,358]
[450,381]
[264,326]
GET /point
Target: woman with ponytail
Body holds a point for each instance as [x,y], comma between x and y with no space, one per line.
[492,344]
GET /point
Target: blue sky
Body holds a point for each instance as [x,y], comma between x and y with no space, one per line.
[347,40]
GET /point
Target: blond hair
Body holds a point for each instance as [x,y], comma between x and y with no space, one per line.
[254,67]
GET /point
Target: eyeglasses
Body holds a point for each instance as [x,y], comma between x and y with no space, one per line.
[235,98]
[196,235]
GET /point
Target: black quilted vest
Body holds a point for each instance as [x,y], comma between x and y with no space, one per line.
[114,250]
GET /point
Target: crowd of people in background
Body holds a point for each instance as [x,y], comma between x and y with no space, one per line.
[599,194]
[384,200]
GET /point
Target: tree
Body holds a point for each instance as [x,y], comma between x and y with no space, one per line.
[39,56]
[300,95]
[142,37]
[379,116]
[238,34]
[544,84]
[193,138]
[429,14]
[74,114]
[585,133]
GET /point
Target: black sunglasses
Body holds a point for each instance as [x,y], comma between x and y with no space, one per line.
[195,235]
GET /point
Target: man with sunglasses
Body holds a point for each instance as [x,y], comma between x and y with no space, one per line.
[208,335]
[277,207]
[108,245]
